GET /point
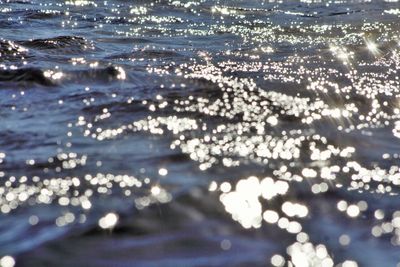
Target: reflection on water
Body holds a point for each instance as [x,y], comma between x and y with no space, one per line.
[204,133]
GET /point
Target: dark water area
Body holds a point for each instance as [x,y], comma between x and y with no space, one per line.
[199,133]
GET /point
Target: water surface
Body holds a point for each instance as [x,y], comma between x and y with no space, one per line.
[199,133]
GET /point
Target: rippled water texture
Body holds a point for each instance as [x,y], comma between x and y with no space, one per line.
[199,133]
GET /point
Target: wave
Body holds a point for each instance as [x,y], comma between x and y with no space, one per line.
[9,50]
[25,75]
[60,43]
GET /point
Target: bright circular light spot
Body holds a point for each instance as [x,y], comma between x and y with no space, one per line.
[349,264]
[270,216]
[7,261]
[162,171]
[108,221]
[277,260]
[353,211]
